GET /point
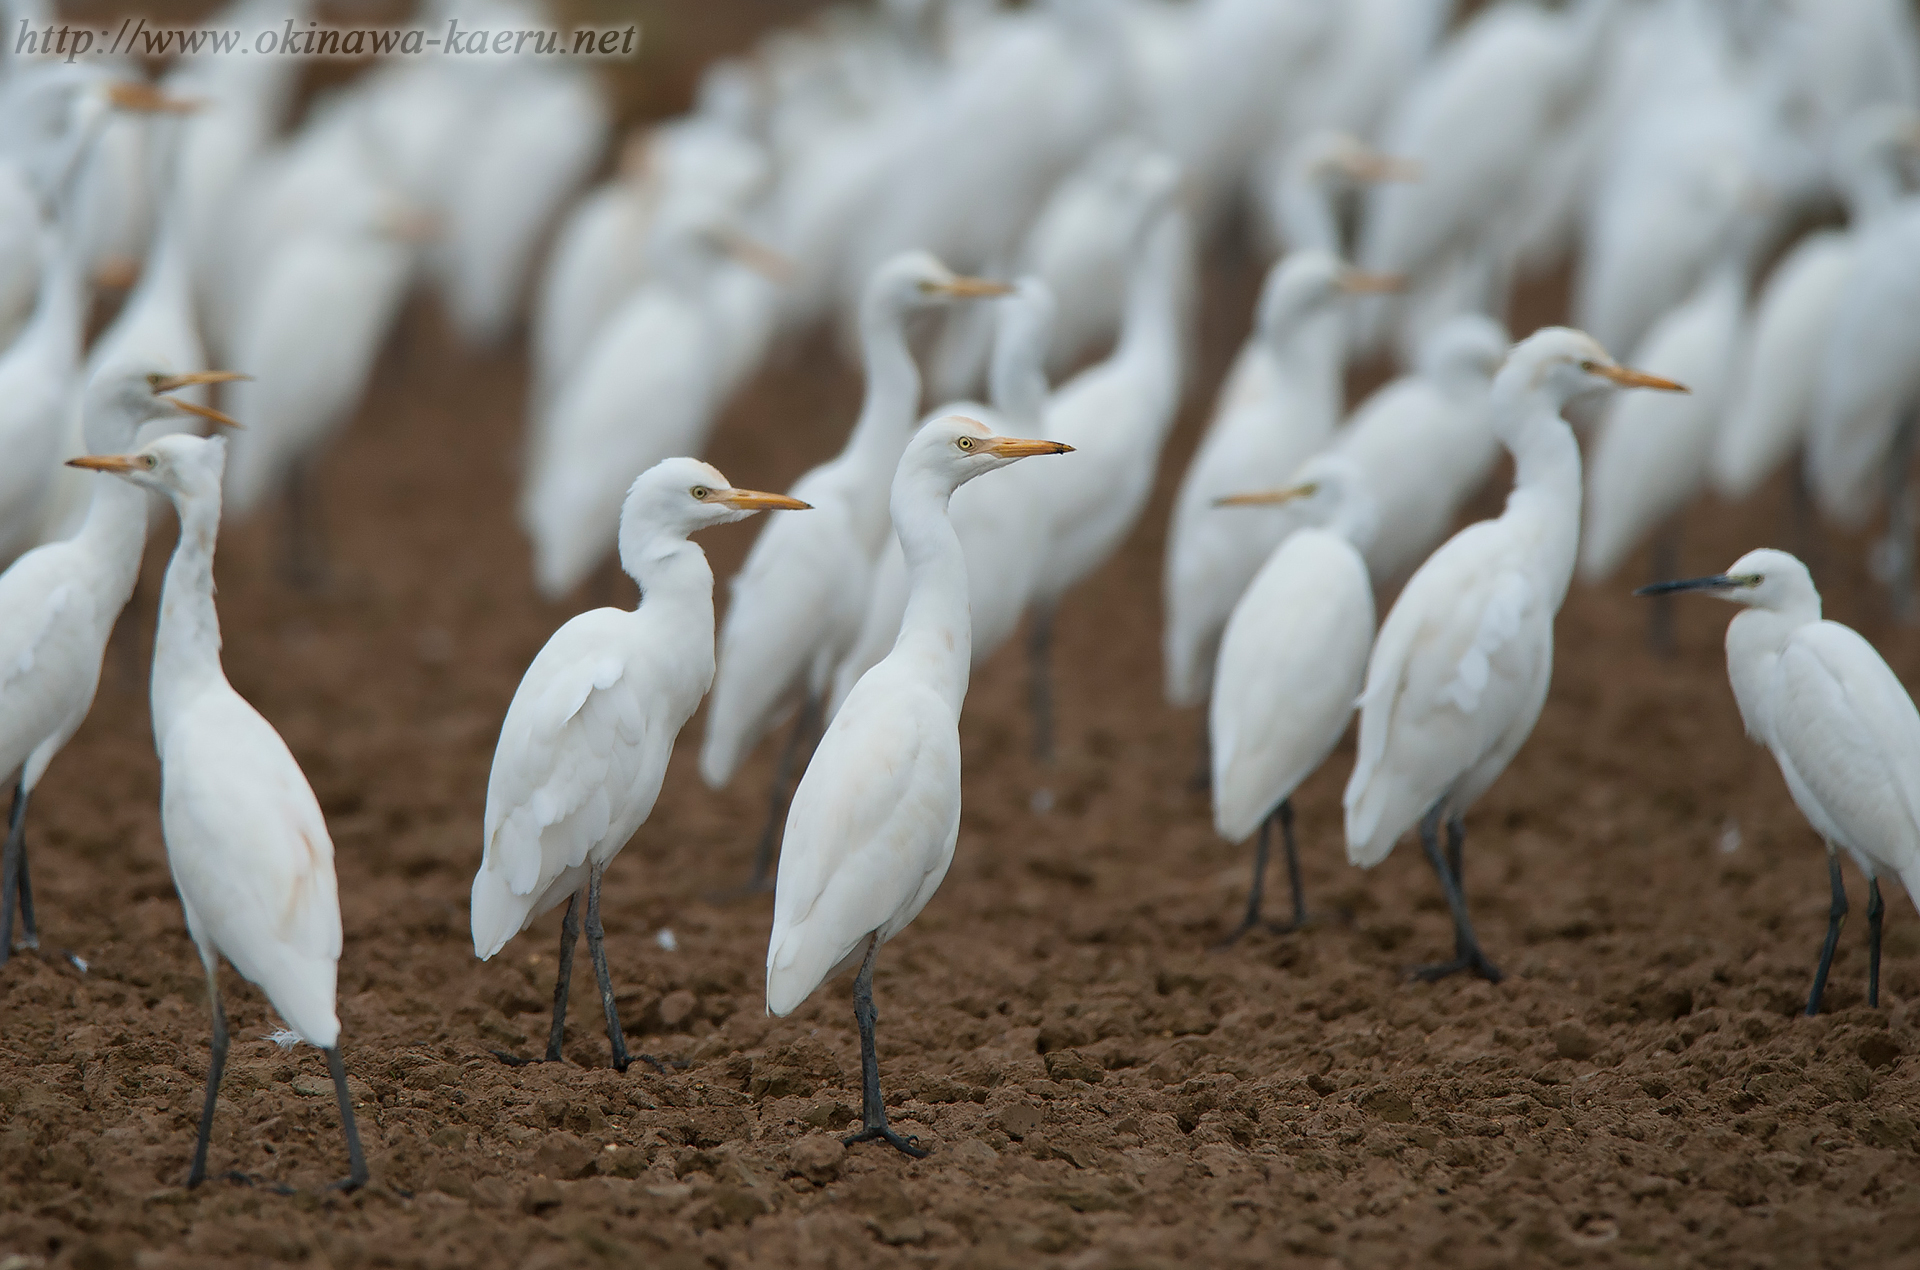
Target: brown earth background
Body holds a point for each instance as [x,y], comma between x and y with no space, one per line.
[1098,1089]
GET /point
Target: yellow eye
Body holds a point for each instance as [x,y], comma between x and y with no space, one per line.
[965,443]
[154,381]
[148,460]
[702,493]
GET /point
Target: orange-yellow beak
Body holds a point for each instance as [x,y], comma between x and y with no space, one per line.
[962,287]
[172,383]
[1267,497]
[130,95]
[1015,448]
[1360,282]
[753,500]
[104,462]
[1377,168]
[1627,377]
[753,253]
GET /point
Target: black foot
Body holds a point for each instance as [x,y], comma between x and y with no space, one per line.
[880,1133]
[664,1068]
[514,1060]
[348,1185]
[255,1180]
[1475,963]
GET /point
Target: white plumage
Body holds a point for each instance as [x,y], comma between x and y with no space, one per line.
[874,820]
[1460,669]
[586,741]
[1837,720]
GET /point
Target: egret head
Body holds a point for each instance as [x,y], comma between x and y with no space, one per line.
[1331,158]
[1305,284]
[120,400]
[178,466]
[1467,347]
[679,497]
[1561,364]
[916,280]
[1762,579]
[1329,491]
[952,450]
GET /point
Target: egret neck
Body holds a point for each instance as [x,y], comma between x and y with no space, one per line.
[1544,505]
[1755,639]
[936,631]
[186,650]
[886,415]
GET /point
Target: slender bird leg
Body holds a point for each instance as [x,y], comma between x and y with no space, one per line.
[306,567]
[597,948]
[15,884]
[1666,564]
[1876,910]
[1040,680]
[1285,815]
[356,1162]
[198,1173]
[1456,850]
[1836,914]
[873,1112]
[1896,550]
[1467,953]
[569,935]
[804,727]
[1252,917]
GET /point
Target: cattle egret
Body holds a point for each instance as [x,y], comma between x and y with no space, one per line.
[586,741]
[1255,439]
[58,604]
[873,822]
[36,375]
[797,602]
[1423,443]
[246,843]
[1460,669]
[1839,723]
[1291,664]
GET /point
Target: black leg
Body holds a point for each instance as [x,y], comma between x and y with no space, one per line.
[1876,910]
[306,565]
[1252,917]
[804,728]
[1836,914]
[1666,564]
[1467,953]
[1285,813]
[14,884]
[873,1111]
[1040,679]
[597,948]
[198,1173]
[356,1162]
[569,935]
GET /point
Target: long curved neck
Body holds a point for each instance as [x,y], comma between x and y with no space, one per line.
[1017,379]
[186,651]
[113,535]
[893,392]
[1311,358]
[1156,299]
[673,574]
[59,315]
[1306,213]
[1545,502]
[936,631]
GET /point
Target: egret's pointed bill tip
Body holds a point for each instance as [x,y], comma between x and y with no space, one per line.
[1714,582]
[753,500]
[1265,497]
[173,383]
[205,412]
[962,287]
[1628,377]
[103,462]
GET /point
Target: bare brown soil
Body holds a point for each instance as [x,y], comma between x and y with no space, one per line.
[1098,1089]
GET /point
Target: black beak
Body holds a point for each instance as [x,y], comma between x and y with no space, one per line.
[1718,582]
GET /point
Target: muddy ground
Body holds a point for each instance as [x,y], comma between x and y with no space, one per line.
[1097,1087]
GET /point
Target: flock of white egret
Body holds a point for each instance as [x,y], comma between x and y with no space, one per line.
[1735,185]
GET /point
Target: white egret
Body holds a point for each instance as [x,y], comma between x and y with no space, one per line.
[1117,415]
[1461,665]
[1258,437]
[36,376]
[1651,453]
[876,814]
[1292,660]
[246,842]
[648,387]
[58,604]
[1840,725]
[586,741]
[1424,443]
[1000,523]
[1304,195]
[797,603]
